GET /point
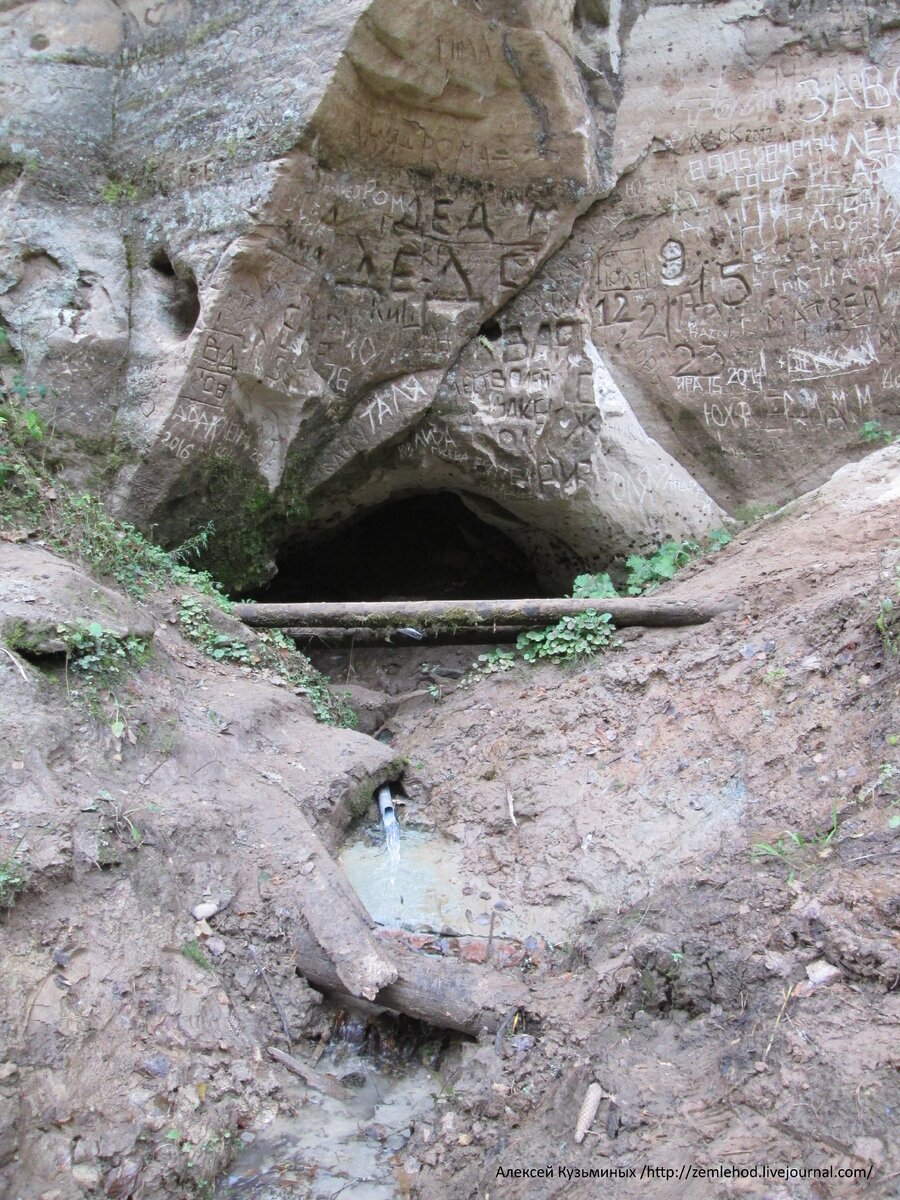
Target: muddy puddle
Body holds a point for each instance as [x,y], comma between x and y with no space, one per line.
[316,1146]
[422,885]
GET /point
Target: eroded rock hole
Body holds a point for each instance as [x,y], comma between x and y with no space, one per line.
[428,546]
[181,298]
[491,330]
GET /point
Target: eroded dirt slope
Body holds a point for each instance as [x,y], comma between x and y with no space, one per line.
[123,1017]
[735,1010]
[640,786]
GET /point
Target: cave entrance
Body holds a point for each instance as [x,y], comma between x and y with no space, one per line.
[428,546]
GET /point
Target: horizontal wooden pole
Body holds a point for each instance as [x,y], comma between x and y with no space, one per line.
[455,614]
[441,991]
[324,637]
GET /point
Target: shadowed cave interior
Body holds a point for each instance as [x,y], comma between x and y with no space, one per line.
[427,546]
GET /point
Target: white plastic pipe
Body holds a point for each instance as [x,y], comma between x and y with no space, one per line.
[386,804]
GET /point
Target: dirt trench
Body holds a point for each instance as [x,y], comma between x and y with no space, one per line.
[691,841]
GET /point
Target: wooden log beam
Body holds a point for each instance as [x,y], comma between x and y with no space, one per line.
[453,614]
[343,929]
[329,637]
[442,991]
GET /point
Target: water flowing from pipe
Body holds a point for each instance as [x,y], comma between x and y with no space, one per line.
[391,829]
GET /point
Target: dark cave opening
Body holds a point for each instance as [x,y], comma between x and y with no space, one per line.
[428,546]
[181,296]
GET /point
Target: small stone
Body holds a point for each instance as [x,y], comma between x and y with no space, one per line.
[760,1067]
[473,950]
[821,972]
[86,1175]
[201,911]
[8,1070]
[464,1139]
[215,946]
[85,1150]
[120,1182]
[157,1066]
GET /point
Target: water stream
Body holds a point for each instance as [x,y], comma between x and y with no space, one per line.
[313,1146]
[391,830]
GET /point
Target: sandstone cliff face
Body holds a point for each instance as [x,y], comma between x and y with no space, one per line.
[601,270]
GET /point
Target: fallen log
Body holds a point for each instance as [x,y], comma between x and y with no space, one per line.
[444,992]
[320,1083]
[455,614]
[341,927]
[327,638]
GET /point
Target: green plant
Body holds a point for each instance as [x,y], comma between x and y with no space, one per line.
[887,773]
[569,639]
[21,431]
[774,675]
[272,651]
[99,654]
[493,662]
[593,587]
[276,652]
[119,550]
[795,850]
[20,424]
[874,431]
[8,353]
[76,524]
[99,660]
[646,573]
[121,823]
[13,877]
[197,627]
[192,950]
[115,191]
